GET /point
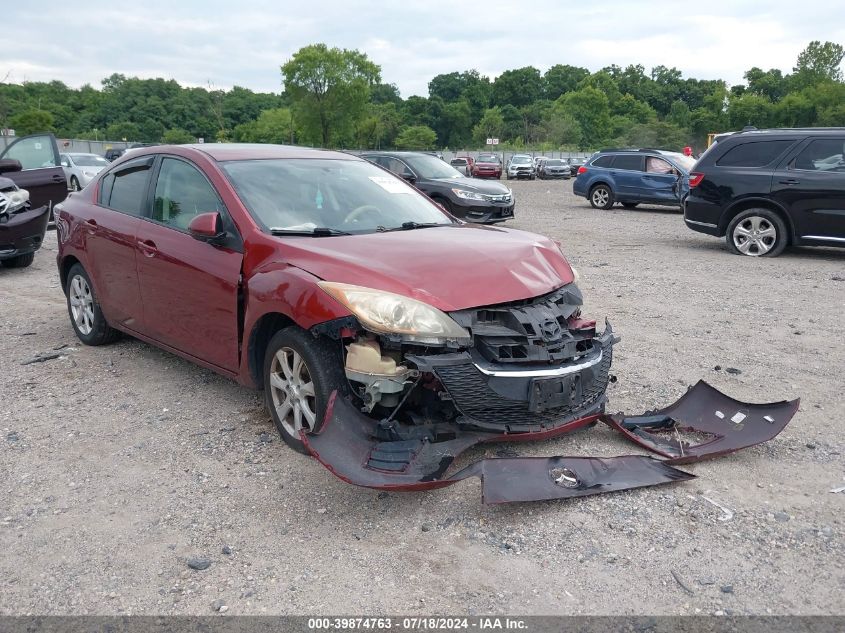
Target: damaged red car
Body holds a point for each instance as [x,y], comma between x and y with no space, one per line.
[387,335]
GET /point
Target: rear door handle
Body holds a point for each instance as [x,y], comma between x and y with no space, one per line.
[148,247]
[789,181]
[59,178]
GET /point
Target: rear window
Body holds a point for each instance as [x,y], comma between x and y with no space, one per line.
[125,190]
[754,154]
[628,161]
[602,161]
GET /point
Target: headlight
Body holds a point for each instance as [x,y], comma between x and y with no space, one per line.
[389,313]
[11,201]
[469,195]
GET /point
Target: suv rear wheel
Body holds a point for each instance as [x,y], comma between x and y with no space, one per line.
[757,233]
[601,197]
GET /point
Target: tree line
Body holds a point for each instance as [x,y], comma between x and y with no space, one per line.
[335,97]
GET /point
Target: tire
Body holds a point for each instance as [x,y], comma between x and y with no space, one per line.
[20,261]
[303,371]
[601,197]
[630,205]
[757,233]
[88,321]
[74,184]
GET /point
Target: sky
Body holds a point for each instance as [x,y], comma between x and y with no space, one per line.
[202,42]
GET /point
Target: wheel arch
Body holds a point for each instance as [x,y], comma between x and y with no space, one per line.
[756,203]
[68,262]
[263,330]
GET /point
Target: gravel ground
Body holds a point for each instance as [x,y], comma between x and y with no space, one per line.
[124,466]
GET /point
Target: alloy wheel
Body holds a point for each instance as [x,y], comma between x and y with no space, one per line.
[600,197]
[292,392]
[755,236]
[82,305]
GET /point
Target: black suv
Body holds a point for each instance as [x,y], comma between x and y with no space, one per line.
[470,199]
[766,189]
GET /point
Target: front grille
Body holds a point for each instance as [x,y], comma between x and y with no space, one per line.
[474,398]
[532,331]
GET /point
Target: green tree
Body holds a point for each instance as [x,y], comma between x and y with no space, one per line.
[819,62]
[563,78]
[416,137]
[329,89]
[178,136]
[518,87]
[271,126]
[750,109]
[32,121]
[590,108]
[561,129]
[122,131]
[656,134]
[491,125]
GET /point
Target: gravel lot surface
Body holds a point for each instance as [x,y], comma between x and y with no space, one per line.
[127,470]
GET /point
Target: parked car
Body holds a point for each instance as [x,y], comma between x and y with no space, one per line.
[466,198]
[337,288]
[632,177]
[31,182]
[574,165]
[463,164]
[766,189]
[80,169]
[520,166]
[487,166]
[113,153]
[554,168]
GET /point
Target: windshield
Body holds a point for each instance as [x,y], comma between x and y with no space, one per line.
[521,160]
[347,196]
[487,158]
[88,160]
[553,162]
[430,167]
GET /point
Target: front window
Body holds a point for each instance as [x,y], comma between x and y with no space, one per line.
[521,160]
[682,160]
[553,162]
[347,196]
[89,160]
[487,158]
[655,165]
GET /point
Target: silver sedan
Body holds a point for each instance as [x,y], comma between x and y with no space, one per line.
[80,169]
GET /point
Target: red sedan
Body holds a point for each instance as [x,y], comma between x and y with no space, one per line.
[318,277]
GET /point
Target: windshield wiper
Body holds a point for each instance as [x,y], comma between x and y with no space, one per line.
[410,226]
[317,231]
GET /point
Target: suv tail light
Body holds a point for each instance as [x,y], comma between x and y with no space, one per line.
[695,179]
[581,170]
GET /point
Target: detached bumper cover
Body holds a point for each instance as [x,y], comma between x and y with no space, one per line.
[346,447]
[704,423]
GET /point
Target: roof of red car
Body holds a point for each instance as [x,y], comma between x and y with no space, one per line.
[247,151]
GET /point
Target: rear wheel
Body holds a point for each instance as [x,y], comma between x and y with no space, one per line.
[74,184]
[21,261]
[757,233]
[86,317]
[300,373]
[601,197]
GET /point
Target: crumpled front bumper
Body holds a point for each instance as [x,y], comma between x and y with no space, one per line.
[347,446]
[23,232]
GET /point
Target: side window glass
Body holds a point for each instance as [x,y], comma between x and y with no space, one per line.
[654,165]
[33,153]
[128,189]
[64,160]
[754,154]
[822,154]
[602,161]
[628,162]
[181,194]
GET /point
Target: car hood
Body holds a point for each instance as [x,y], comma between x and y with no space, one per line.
[451,267]
[475,184]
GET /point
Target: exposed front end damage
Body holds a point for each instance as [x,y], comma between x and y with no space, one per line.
[529,370]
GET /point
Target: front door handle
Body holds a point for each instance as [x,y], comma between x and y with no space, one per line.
[789,181]
[148,247]
[59,178]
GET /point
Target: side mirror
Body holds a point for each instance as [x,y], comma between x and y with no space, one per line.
[10,164]
[207,227]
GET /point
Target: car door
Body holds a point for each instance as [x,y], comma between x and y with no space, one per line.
[660,182]
[110,228]
[627,171]
[189,287]
[810,184]
[41,174]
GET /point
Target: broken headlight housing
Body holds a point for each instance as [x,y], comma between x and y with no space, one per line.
[13,200]
[388,313]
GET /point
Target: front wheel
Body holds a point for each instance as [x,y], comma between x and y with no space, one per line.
[20,261]
[601,197]
[300,373]
[74,184]
[757,233]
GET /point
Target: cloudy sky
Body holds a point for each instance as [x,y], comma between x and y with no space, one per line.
[243,43]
